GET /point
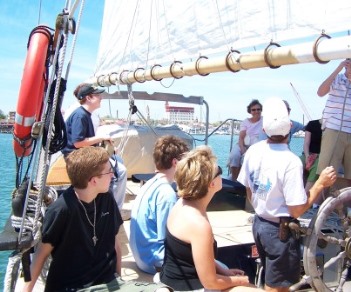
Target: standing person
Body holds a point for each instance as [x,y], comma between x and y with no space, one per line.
[81,133]
[190,248]
[153,204]
[80,228]
[248,135]
[311,150]
[272,175]
[295,126]
[336,125]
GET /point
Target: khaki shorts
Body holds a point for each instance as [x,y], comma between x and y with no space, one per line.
[335,151]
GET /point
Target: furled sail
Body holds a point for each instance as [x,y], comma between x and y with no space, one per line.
[137,35]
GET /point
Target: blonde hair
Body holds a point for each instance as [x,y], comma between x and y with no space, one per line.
[194,173]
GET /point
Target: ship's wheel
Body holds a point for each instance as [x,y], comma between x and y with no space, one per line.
[336,237]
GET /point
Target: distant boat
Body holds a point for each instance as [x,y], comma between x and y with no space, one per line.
[299,134]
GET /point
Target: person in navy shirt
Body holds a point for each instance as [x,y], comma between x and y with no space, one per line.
[79,125]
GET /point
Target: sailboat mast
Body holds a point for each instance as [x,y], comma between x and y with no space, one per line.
[327,49]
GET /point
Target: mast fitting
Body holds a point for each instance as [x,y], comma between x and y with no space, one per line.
[315,47]
[266,59]
[197,66]
[229,55]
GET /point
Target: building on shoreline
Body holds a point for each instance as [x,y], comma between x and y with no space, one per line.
[6,125]
[179,114]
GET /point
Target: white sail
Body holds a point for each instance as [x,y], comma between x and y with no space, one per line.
[139,34]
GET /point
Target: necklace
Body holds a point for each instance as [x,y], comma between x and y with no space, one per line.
[95,239]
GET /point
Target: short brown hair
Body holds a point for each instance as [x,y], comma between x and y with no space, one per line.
[84,163]
[195,172]
[166,149]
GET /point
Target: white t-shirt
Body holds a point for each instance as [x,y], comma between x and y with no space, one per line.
[252,130]
[274,175]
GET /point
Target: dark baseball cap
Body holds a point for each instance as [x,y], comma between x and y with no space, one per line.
[88,89]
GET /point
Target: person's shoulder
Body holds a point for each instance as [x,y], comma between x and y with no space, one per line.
[63,202]
[199,227]
[166,191]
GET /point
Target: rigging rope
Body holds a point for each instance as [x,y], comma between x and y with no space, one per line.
[59,135]
[31,204]
[51,115]
[132,110]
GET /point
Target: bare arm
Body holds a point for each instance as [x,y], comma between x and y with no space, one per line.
[242,135]
[326,179]
[324,88]
[119,256]
[306,143]
[201,239]
[40,256]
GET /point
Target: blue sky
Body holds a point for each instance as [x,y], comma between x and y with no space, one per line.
[227,93]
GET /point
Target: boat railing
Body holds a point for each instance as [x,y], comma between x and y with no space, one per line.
[232,132]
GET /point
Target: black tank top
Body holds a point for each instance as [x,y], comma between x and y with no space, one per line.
[178,270]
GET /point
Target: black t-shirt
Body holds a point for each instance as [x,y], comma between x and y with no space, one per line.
[76,262]
[314,127]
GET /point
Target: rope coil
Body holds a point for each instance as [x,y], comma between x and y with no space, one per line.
[30,222]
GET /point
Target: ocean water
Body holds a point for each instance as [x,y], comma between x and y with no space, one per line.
[7,184]
[219,143]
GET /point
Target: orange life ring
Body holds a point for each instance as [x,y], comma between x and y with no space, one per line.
[32,90]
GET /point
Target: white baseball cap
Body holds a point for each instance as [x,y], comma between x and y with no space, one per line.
[276,121]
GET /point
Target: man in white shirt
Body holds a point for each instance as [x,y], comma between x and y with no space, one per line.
[272,175]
